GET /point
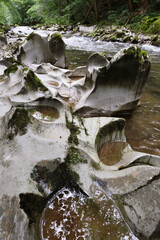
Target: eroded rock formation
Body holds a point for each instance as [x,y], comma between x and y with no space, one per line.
[43,48]
[40,133]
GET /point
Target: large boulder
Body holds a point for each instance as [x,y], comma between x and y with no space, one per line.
[43,48]
[118,84]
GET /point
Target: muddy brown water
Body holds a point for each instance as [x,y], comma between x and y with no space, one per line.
[71,216]
[44,113]
[110,152]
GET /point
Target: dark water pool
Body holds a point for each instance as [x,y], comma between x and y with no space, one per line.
[71,216]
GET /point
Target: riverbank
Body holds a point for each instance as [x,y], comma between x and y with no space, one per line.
[148,34]
[113,33]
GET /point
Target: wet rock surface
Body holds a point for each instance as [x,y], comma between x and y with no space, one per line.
[39,157]
[124,78]
[13,221]
[141,208]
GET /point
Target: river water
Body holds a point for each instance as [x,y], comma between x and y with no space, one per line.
[143,127]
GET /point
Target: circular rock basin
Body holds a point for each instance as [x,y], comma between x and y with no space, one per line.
[44,113]
[110,152]
[71,216]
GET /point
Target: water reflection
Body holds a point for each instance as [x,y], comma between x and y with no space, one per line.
[44,113]
[71,216]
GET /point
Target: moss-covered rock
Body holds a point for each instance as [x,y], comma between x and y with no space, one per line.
[135,40]
[56,35]
[74,156]
[11,69]
[61,176]
[30,36]
[113,38]
[74,131]
[56,47]
[18,123]
[34,83]
[137,53]
[120,34]
[127,39]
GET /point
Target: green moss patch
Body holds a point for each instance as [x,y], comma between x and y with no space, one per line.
[30,36]
[25,69]
[74,131]
[11,69]
[137,53]
[56,179]
[34,83]
[56,35]
[18,123]
[74,156]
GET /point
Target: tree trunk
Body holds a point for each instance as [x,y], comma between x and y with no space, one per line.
[96,10]
[109,4]
[130,5]
[144,4]
[89,11]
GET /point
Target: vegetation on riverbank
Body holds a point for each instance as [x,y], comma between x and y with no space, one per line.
[141,15]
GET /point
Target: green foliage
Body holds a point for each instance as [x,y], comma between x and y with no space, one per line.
[155,26]
[31,12]
[8,12]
